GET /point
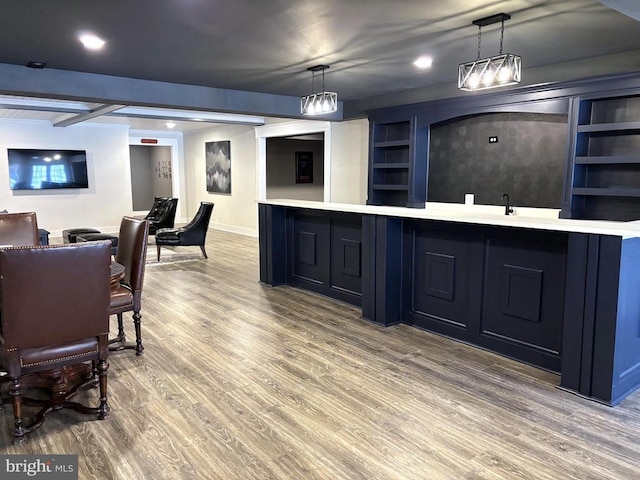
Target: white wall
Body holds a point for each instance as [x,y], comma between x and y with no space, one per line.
[349,161]
[108,197]
[237,212]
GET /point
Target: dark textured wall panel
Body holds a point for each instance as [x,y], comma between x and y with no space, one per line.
[527,162]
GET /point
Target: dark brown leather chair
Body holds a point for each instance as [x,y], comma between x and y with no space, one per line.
[54,305]
[162,214]
[193,233]
[19,229]
[127,296]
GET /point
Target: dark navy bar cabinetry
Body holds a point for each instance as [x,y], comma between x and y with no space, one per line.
[557,297]
[498,288]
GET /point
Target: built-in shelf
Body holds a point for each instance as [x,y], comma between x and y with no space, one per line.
[609,127]
[392,143]
[607,192]
[607,160]
[385,186]
[391,165]
[396,174]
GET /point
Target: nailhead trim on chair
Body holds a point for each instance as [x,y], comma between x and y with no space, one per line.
[69,357]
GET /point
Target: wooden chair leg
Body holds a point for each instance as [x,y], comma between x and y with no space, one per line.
[103,410]
[137,318]
[158,247]
[204,252]
[15,390]
[121,335]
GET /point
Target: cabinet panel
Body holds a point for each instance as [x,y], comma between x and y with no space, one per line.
[500,290]
[310,249]
[325,255]
[346,256]
[441,279]
[523,295]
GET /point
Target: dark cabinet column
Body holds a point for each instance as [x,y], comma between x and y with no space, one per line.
[382,269]
[601,335]
[272,232]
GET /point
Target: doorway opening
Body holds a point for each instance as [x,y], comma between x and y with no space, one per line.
[295,167]
[151,175]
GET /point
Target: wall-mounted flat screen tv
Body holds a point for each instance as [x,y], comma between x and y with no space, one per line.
[47,169]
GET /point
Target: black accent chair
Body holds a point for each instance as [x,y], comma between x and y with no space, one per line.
[162,214]
[193,233]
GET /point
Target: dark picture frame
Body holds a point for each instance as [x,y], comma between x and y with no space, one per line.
[218,166]
[304,167]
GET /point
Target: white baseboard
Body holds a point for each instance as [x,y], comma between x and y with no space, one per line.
[249,232]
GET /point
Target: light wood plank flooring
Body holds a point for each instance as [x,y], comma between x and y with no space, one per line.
[242,381]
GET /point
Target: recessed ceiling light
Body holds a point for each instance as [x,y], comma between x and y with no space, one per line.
[423,62]
[34,64]
[170,124]
[91,41]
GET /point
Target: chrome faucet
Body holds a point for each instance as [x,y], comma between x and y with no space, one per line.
[507,208]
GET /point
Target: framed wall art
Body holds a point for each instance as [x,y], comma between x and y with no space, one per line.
[218,164]
[304,167]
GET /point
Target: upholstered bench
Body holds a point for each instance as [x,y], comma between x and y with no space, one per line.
[70,235]
[93,236]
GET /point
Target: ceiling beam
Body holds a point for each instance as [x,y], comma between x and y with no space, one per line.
[108,89]
[42,105]
[96,112]
[189,116]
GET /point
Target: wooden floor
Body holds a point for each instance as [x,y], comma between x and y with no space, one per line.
[242,381]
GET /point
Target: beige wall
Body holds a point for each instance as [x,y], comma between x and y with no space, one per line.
[236,212]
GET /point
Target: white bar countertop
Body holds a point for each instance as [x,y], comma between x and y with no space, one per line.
[535,218]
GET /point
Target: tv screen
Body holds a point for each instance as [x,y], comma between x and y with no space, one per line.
[47,169]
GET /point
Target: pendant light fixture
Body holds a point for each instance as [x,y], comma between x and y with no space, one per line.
[500,70]
[321,102]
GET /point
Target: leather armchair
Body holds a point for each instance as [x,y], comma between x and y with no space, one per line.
[127,296]
[193,233]
[19,229]
[162,214]
[49,324]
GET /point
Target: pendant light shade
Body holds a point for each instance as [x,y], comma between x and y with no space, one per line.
[497,71]
[318,103]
